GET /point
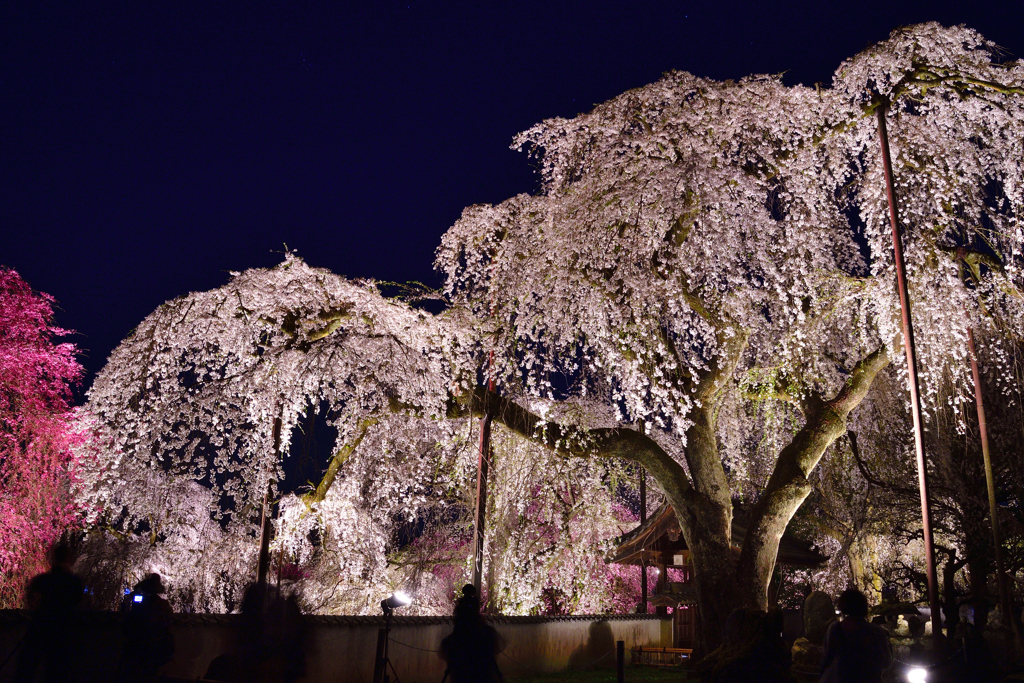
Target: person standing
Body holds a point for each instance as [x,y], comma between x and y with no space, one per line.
[148,641]
[855,651]
[54,598]
[471,650]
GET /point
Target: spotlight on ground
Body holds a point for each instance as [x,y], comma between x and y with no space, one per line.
[383,662]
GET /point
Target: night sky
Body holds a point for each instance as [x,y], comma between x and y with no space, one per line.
[148,148]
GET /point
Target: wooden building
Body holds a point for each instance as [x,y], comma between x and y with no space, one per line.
[659,543]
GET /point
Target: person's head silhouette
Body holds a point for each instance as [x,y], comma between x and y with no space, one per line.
[853,603]
[467,608]
[62,557]
[152,585]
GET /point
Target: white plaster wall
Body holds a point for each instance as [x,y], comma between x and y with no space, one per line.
[342,649]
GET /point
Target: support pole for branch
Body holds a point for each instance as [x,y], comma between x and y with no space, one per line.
[915,396]
[481,501]
[266,528]
[643,495]
[484,458]
[643,519]
[263,564]
[1005,602]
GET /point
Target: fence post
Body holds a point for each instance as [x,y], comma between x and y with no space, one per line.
[378,660]
[620,660]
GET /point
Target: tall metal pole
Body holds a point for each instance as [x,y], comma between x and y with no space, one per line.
[915,396]
[484,458]
[643,519]
[997,539]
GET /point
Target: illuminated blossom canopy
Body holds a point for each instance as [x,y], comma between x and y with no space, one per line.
[698,249]
[189,402]
[187,407]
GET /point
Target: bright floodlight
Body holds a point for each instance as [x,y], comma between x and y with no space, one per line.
[917,675]
[394,601]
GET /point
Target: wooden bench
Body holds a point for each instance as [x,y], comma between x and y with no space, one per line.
[660,656]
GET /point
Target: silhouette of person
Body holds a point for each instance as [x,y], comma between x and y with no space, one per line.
[770,648]
[855,651]
[271,641]
[752,649]
[54,598]
[148,641]
[472,649]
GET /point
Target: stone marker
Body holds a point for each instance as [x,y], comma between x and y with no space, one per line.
[818,614]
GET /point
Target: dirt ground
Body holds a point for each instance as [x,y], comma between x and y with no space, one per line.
[633,675]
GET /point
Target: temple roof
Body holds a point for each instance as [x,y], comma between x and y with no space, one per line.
[659,539]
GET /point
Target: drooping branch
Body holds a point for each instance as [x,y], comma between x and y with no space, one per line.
[915,82]
[858,385]
[732,342]
[702,457]
[709,481]
[925,78]
[866,473]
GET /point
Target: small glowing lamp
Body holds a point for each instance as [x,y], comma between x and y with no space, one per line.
[137,598]
[917,675]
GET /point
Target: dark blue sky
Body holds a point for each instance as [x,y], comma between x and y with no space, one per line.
[148,148]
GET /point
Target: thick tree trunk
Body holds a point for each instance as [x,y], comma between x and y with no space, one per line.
[707,532]
[714,569]
[703,504]
[705,519]
[861,556]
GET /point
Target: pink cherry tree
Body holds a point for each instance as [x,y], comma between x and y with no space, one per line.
[37,439]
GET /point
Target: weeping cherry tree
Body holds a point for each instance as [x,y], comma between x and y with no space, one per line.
[698,243]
